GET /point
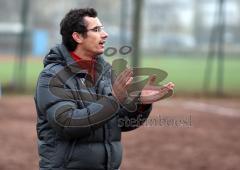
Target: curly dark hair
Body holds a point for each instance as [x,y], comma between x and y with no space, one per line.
[74,22]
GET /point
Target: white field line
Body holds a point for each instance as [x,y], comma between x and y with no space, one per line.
[210,108]
[206,108]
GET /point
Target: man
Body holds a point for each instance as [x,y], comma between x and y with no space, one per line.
[79,105]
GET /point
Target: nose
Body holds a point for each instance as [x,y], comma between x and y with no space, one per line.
[104,34]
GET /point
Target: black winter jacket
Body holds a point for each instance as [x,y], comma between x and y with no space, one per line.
[79,126]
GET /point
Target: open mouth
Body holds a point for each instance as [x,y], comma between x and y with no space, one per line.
[102,43]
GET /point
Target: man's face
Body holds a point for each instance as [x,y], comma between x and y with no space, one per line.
[94,42]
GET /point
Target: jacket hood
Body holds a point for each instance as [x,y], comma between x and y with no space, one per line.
[58,54]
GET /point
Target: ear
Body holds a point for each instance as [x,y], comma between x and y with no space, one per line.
[77,37]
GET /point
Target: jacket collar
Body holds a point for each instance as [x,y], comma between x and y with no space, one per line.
[101,65]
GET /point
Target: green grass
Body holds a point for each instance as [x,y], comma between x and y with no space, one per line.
[186,73]
[8,72]
[33,70]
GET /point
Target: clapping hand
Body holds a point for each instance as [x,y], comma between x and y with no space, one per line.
[151,93]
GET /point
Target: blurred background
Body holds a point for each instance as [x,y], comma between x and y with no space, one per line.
[196,42]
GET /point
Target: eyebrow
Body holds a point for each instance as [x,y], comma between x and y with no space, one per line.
[97,26]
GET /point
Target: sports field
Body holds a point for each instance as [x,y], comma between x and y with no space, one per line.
[181,134]
[186,72]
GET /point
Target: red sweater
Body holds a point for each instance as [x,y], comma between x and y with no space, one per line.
[89,65]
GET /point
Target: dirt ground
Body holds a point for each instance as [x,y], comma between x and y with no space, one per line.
[181,134]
